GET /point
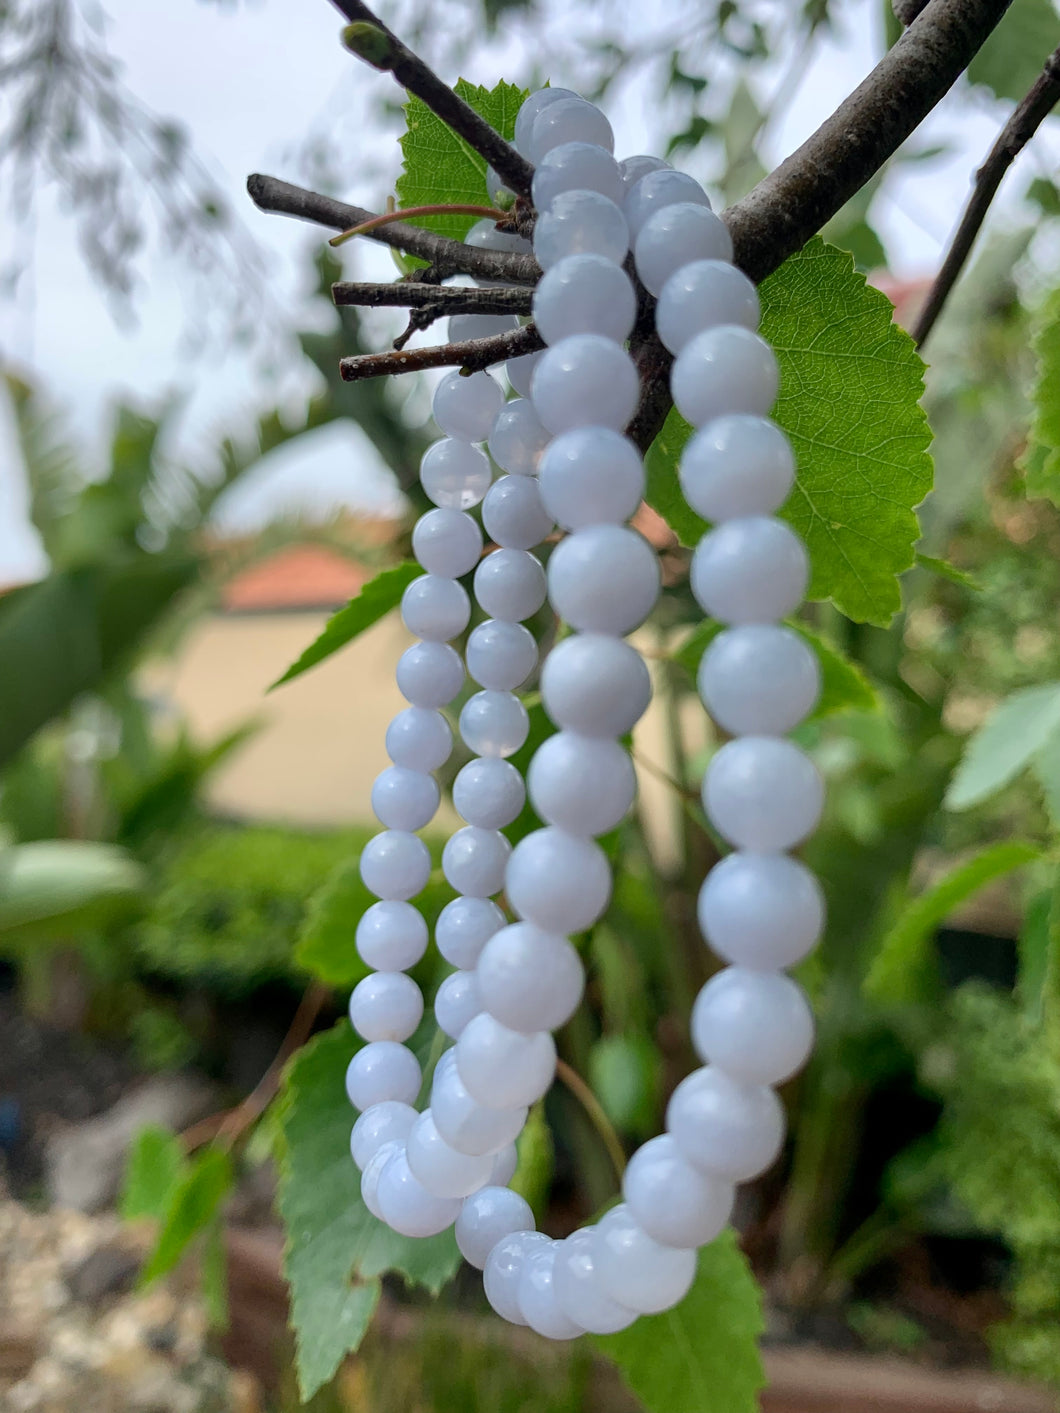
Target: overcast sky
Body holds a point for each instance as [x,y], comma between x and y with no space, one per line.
[250,83]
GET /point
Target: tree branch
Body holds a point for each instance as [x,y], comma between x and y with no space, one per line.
[447,257]
[473,354]
[450,299]
[1017,132]
[385,51]
[790,205]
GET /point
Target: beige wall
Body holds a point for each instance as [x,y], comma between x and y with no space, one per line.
[321,744]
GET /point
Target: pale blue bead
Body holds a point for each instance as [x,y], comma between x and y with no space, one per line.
[656,190]
[484,235]
[441,1169]
[489,792]
[580,783]
[604,579]
[761,910]
[636,1271]
[637,166]
[763,793]
[576,166]
[537,1297]
[496,189]
[391,936]
[518,438]
[387,1005]
[501,656]
[388,1122]
[583,381]
[419,738]
[465,1124]
[670,1200]
[585,294]
[533,104]
[751,570]
[487,1217]
[447,542]
[464,927]
[479,326]
[464,408]
[504,1266]
[700,296]
[455,473]
[510,584]
[404,799]
[395,865]
[430,674]
[727,369]
[725,1128]
[494,723]
[756,1026]
[473,861]
[578,1290]
[503,1068]
[581,223]
[759,680]
[520,372]
[558,882]
[407,1207]
[591,476]
[676,236]
[595,684]
[737,465]
[569,120]
[382,1070]
[457,1001]
[435,608]
[529,979]
[513,513]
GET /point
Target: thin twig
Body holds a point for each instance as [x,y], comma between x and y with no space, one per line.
[451,299]
[447,257]
[412,73]
[1017,132]
[594,1112]
[408,212]
[473,354]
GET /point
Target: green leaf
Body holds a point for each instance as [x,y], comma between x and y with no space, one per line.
[155,1166]
[1007,741]
[215,1275]
[537,1159]
[336,1249]
[375,600]
[1014,55]
[195,1203]
[625,1074]
[945,570]
[1041,459]
[844,686]
[440,167]
[904,965]
[702,1357]
[850,383]
[54,887]
[1036,950]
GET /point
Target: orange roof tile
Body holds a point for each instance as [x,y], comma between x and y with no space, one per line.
[300,577]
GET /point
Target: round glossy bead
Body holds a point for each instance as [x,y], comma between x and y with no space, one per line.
[675,237]
[430,674]
[454,474]
[486,1218]
[504,1165]
[494,723]
[591,476]
[756,1026]
[464,408]
[763,793]
[581,223]
[728,1129]
[479,326]
[759,680]
[473,861]
[504,1068]
[504,1266]
[751,570]
[441,1169]
[585,294]
[382,1070]
[518,438]
[636,1271]
[464,1123]
[583,784]
[513,513]
[576,166]
[500,655]
[520,371]
[631,169]
[656,190]
[489,792]
[736,466]
[702,295]
[464,927]
[371,1174]
[559,882]
[577,1286]
[510,584]
[596,685]
[722,370]
[388,1122]
[391,936]
[585,381]
[532,105]
[569,120]
[603,579]
[435,608]
[484,235]
[457,1001]
[537,1297]
[447,542]
[764,911]
[419,739]
[395,865]
[404,799]
[387,1005]
[528,979]
[405,1204]
[672,1201]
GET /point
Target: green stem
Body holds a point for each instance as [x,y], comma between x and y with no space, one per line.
[594,1112]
